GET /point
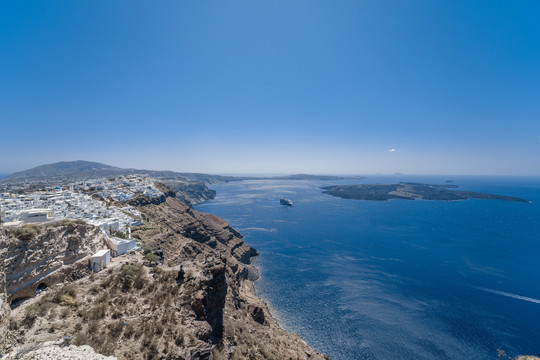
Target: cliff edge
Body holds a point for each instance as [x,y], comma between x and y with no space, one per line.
[198,304]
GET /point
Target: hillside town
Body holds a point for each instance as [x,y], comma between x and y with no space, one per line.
[100,202]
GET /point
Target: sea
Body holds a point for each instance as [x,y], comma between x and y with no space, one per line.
[396,279]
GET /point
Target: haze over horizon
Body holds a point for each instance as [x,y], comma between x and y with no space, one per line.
[346,87]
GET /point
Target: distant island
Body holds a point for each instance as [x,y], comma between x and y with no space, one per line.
[409,191]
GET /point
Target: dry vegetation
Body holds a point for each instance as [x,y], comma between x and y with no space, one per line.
[132,312]
[26,232]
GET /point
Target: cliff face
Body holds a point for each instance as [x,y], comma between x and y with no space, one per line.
[191,192]
[46,255]
[173,223]
[210,250]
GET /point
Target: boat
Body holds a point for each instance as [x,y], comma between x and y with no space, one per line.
[285,201]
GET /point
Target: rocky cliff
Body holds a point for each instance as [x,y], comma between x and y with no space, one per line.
[191,192]
[198,305]
[42,256]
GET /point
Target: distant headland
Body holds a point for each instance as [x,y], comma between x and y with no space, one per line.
[409,191]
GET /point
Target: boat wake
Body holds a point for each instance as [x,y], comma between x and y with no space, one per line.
[510,295]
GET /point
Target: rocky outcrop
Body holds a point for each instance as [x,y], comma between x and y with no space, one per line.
[48,258]
[256,313]
[226,235]
[216,292]
[185,223]
[191,192]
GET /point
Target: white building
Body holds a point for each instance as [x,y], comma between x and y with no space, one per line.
[100,259]
[120,246]
[35,215]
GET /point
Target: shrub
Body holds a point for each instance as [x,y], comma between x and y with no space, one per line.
[66,295]
[93,327]
[65,313]
[151,257]
[26,232]
[129,331]
[29,319]
[120,235]
[115,329]
[13,324]
[129,274]
[98,311]
[146,249]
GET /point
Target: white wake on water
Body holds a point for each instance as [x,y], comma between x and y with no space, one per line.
[507,294]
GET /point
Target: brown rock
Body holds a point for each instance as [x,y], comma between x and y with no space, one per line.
[256,313]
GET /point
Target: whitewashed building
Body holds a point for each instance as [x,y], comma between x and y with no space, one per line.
[35,216]
[120,246]
[100,259]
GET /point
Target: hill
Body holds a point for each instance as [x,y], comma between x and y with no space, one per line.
[63,169]
[81,170]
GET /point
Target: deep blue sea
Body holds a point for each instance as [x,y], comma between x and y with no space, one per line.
[396,279]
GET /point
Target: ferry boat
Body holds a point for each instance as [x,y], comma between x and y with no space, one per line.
[285,201]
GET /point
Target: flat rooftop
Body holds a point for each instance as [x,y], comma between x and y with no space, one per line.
[100,253]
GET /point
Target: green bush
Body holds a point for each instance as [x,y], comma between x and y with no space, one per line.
[26,232]
[120,235]
[128,274]
[151,257]
[146,249]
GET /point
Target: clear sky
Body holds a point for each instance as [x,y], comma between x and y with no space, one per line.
[334,86]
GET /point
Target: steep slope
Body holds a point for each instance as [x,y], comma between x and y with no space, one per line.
[198,305]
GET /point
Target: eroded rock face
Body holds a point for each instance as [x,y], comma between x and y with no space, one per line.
[191,192]
[216,292]
[185,223]
[48,258]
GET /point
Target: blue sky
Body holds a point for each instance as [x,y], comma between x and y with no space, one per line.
[273,87]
